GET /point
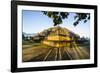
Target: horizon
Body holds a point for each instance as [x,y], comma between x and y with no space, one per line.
[53,27]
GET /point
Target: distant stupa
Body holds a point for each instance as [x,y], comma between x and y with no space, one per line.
[60,37]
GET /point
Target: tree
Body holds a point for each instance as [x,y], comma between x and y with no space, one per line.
[23,36]
[59,16]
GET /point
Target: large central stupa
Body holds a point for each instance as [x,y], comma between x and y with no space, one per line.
[59,37]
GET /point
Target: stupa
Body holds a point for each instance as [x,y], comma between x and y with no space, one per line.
[60,37]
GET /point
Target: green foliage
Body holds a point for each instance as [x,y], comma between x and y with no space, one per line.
[56,16]
[59,16]
[81,16]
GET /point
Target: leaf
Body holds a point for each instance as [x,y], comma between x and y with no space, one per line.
[44,12]
[85,21]
[50,14]
[75,23]
[75,17]
[88,17]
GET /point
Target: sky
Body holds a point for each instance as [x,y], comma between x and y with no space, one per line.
[36,21]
